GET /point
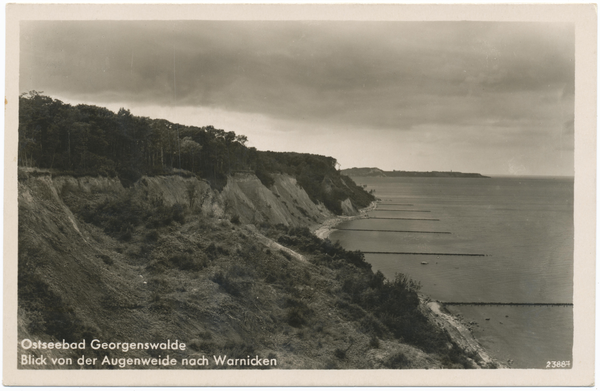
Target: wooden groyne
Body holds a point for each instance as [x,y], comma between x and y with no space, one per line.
[393,230]
[400,218]
[506,304]
[400,210]
[411,253]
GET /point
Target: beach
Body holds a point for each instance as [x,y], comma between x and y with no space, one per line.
[459,332]
[323,230]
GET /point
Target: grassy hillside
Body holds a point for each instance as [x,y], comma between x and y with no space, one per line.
[117,264]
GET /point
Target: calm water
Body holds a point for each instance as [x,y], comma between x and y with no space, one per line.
[524,226]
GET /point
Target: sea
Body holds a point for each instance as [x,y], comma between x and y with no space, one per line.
[505,240]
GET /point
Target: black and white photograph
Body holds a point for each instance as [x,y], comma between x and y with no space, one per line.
[198,194]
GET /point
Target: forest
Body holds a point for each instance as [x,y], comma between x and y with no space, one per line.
[87,140]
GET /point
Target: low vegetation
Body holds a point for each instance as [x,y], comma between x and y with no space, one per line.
[150,271]
[384,307]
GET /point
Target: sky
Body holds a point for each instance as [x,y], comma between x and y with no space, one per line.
[490,97]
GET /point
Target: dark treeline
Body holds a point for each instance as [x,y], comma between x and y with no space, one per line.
[373,171]
[92,140]
[316,174]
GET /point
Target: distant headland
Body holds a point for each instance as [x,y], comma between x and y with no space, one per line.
[374,171]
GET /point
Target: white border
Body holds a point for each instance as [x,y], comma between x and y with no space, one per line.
[585,19]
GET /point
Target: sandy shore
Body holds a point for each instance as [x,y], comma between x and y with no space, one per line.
[458,332]
[324,229]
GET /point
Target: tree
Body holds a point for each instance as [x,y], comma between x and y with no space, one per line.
[240,138]
[190,148]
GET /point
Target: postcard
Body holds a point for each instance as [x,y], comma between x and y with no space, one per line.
[300,195]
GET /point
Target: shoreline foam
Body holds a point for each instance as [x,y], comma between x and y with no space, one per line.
[323,230]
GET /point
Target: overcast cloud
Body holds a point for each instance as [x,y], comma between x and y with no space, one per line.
[496,98]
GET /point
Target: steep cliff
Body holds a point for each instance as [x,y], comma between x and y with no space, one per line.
[244,196]
[172,258]
[284,203]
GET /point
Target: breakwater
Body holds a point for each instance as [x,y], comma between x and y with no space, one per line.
[402,210]
[393,230]
[399,218]
[507,304]
[414,253]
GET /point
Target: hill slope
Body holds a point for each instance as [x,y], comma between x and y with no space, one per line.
[101,261]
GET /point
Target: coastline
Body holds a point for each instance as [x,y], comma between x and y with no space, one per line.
[458,332]
[323,230]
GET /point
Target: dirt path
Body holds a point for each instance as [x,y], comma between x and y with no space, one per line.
[273,244]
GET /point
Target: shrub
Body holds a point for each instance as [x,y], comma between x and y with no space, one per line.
[152,236]
[48,313]
[162,305]
[186,262]
[125,236]
[374,342]
[456,358]
[350,311]
[270,278]
[265,178]
[295,317]
[370,324]
[331,364]
[340,353]
[177,213]
[303,211]
[114,215]
[227,283]
[297,313]
[202,345]
[195,344]
[162,216]
[205,335]
[183,262]
[397,361]
[239,271]
[128,176]
[212,251]
[106,259]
